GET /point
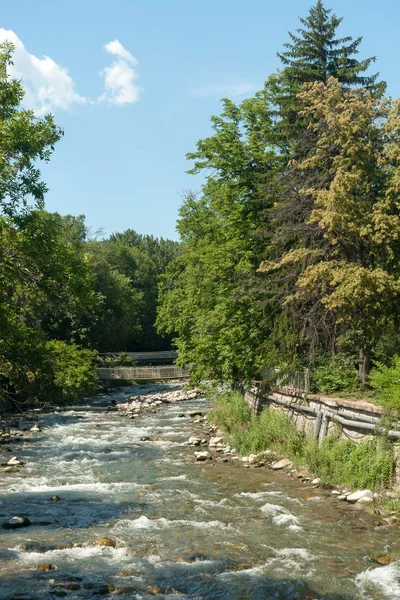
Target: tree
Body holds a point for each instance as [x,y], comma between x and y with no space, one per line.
[207,296]
[349,268]
[316,54]
[24,140]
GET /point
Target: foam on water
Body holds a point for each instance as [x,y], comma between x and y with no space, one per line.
[76,555]
[96,486]
[290,520]
[273,509]
[385,580]
[145,523]
[258,495]
[173,478]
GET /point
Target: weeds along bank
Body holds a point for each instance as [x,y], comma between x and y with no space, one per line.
[370,463]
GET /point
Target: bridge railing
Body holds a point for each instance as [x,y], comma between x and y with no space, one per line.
[136,373]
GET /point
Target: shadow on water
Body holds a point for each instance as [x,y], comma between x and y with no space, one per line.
[158,582]
[74,510]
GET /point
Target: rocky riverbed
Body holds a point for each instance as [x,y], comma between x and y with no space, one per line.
[159,506]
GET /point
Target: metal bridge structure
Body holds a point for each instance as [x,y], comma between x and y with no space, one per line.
[142,373]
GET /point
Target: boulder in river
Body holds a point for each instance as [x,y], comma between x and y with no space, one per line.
[15,462]
[16,522]
[356,496]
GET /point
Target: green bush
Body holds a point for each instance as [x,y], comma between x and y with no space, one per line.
[71,371]
[230,411]
[336,374]
[385,379]
[270,429]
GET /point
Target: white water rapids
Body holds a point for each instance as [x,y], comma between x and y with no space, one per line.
[181,528]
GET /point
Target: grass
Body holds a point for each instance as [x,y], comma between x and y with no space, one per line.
[367,464]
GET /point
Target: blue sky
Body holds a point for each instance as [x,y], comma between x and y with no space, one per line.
[143,78]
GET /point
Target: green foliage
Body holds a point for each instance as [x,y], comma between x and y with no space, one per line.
[230,412]
[385,379]
[72,373]
[315,53]
[336,374]
[24,141]
[367,464]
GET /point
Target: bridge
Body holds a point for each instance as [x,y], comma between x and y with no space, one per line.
[142,373]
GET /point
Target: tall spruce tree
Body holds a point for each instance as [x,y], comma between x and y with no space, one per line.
[315,53]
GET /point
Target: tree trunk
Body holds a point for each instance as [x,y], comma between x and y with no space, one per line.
[364,365]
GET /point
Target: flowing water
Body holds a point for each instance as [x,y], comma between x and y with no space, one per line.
[181,528]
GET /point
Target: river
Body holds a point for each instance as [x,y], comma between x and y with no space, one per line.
[181,528]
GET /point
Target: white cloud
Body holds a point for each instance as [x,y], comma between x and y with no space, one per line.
[119,78]
[48,85]
[226,90]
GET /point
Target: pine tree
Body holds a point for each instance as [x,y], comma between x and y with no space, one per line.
[315,53]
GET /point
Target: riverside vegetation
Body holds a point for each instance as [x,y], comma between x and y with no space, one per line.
[289,256]
[290,252]
[368,464]
[64,294]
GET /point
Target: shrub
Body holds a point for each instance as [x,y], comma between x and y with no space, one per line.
[71,371]
[336,374]
[367,464]
[229,411]
[385,379]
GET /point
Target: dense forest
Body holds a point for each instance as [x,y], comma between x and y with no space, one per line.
[290,252]
[64,296]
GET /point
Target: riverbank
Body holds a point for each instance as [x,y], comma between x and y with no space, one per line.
[362,473]
[121,507]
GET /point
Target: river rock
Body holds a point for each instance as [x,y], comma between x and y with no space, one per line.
[15,462]
[36,427]
[203,455]
[44,567]
[364,500]
[215,441]
[281,464]
[316,481]
[16,522]
[110,543]
[194,441]
[356,496]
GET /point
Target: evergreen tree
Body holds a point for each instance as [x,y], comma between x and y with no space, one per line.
[315,53]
